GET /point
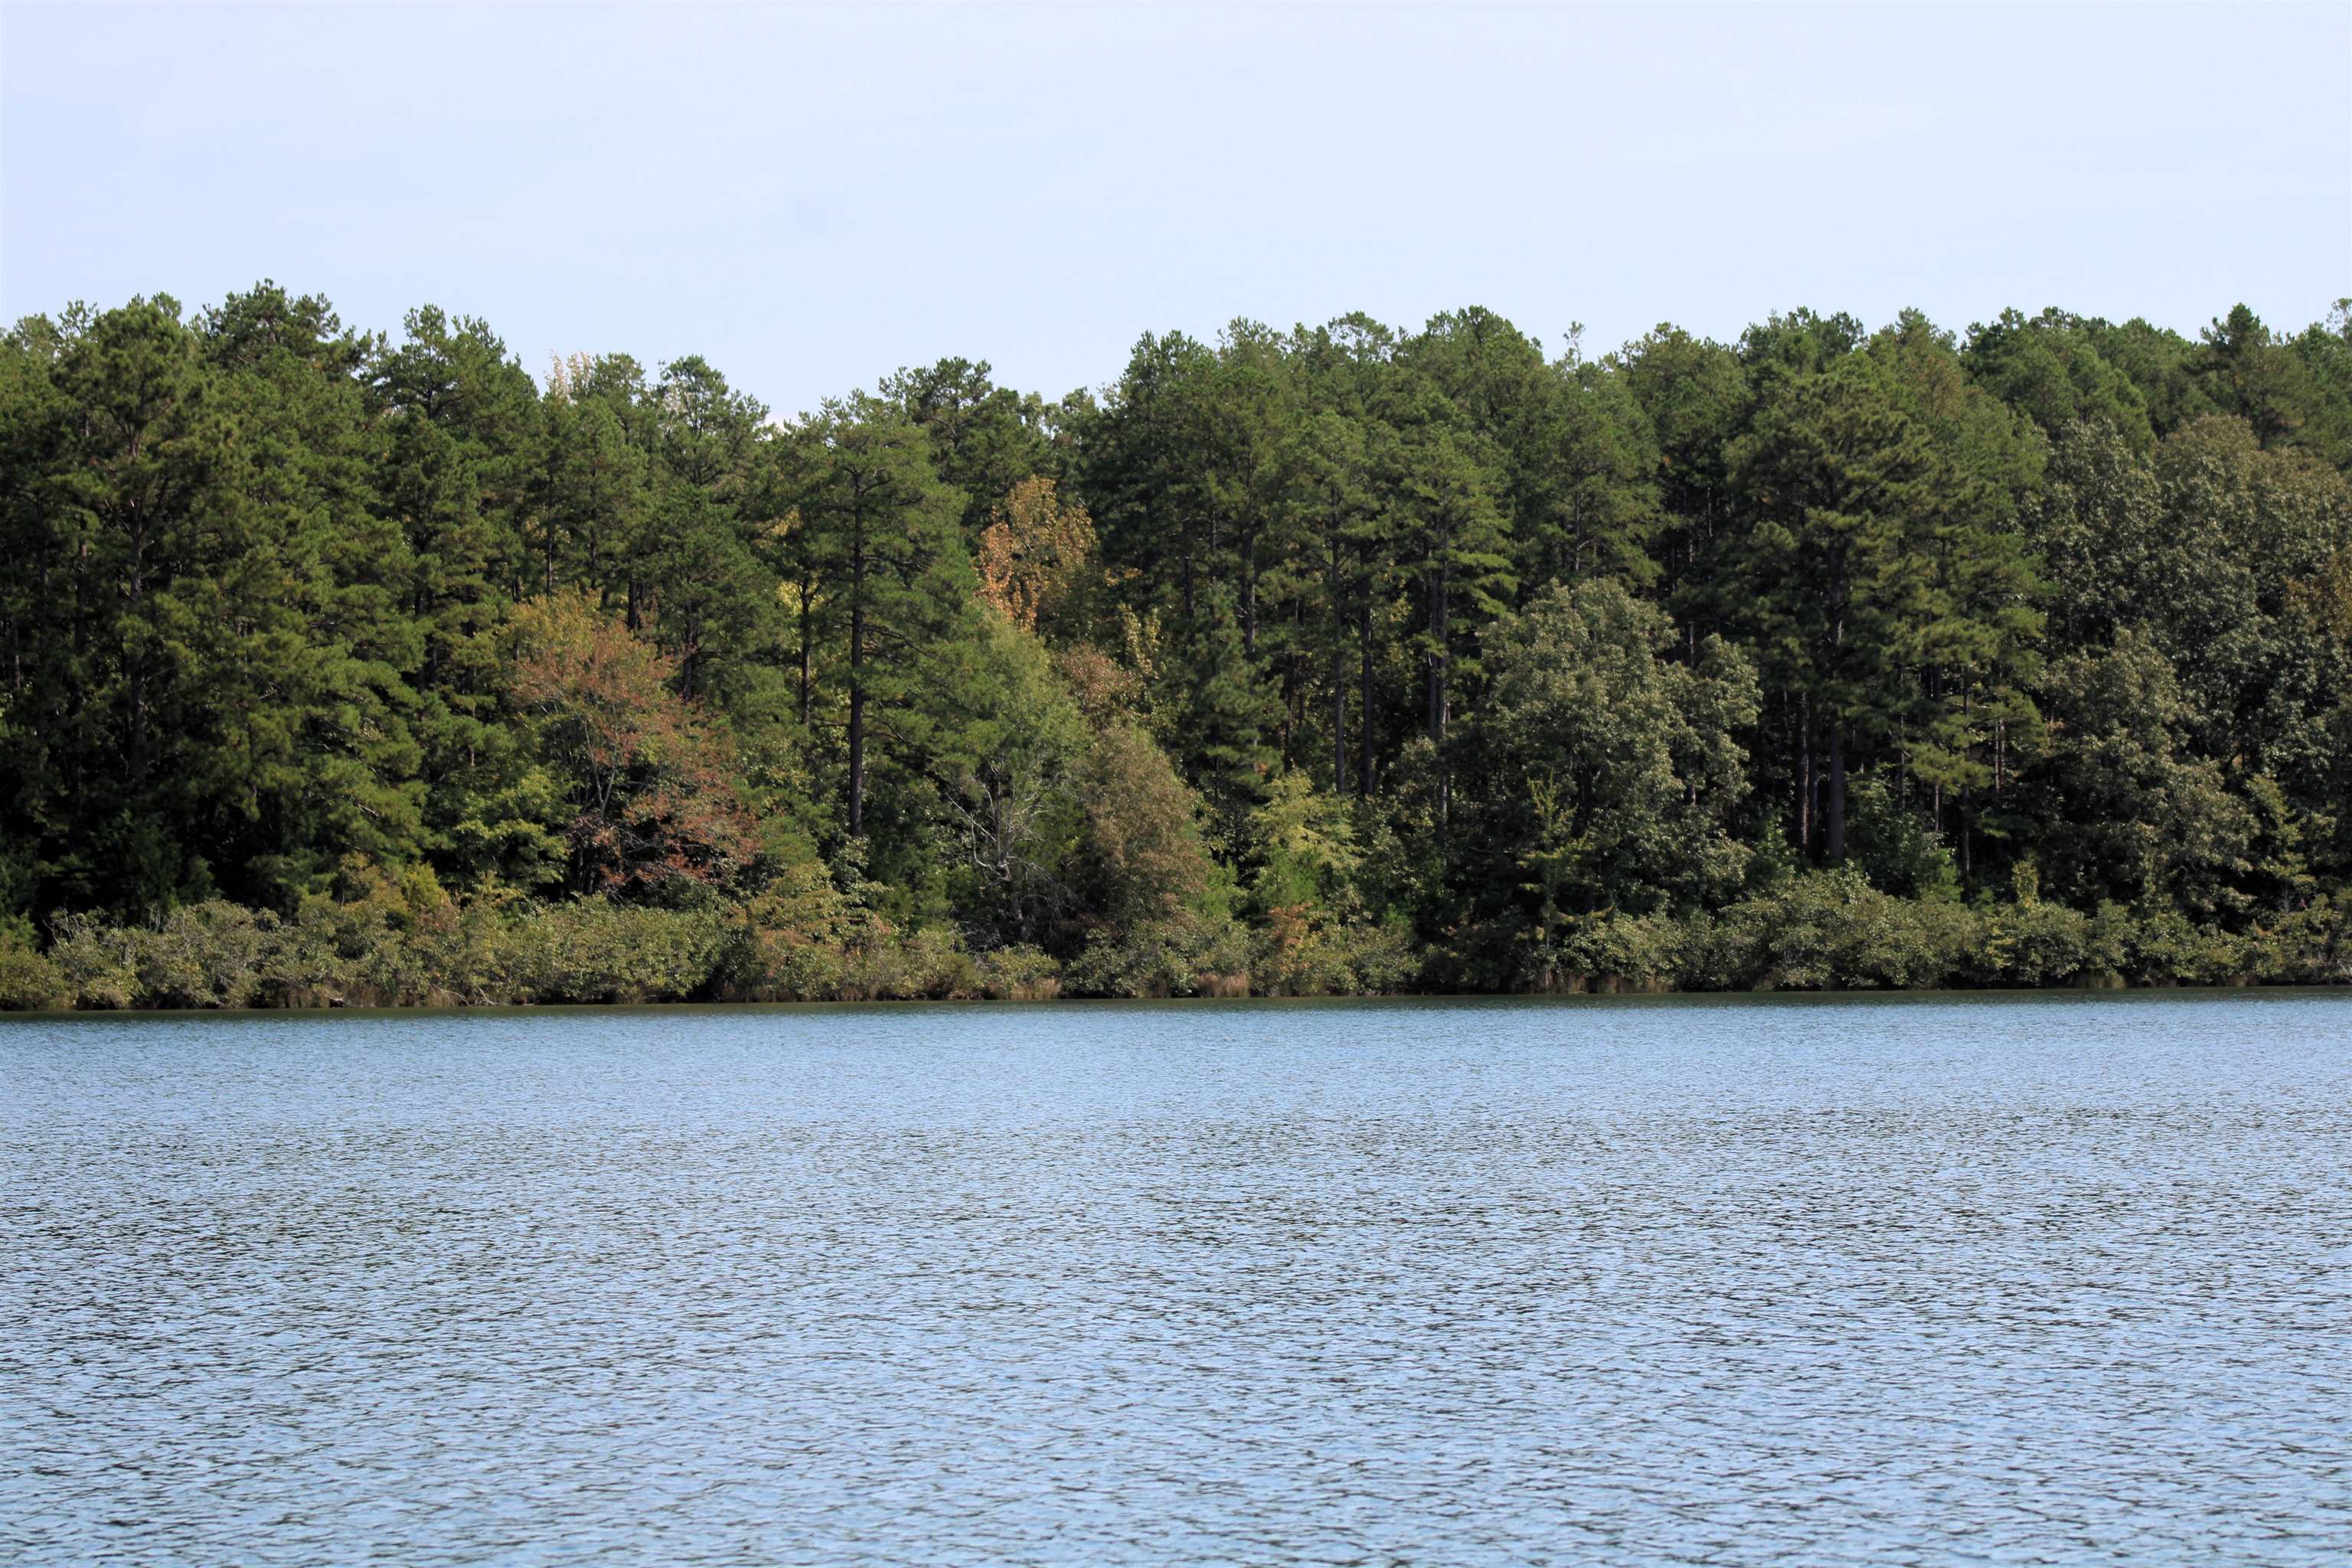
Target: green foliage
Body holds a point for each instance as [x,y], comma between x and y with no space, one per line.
[1226,711]
[1615,766]
[1143,859]
[1832,929]
[788,942]
[29,980]
[344,669]
[1187,952]
[1893,846]
[1303,843]
[2140,816]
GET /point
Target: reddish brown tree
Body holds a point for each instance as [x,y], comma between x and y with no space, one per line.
[651,774]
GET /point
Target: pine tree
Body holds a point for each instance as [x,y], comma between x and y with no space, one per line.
[885,541]
[1458,539]
[1228,711]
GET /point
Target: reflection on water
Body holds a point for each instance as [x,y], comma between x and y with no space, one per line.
[1684,1281]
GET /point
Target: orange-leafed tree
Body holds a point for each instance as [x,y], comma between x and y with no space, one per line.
[650,774]
[1035,555]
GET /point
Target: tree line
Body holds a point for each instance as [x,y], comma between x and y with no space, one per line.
[1344,658]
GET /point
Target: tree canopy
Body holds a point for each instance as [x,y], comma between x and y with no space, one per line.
[1344,656]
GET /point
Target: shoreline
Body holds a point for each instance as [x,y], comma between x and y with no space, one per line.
[2275,991]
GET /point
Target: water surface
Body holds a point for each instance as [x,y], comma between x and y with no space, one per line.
[1655,1281]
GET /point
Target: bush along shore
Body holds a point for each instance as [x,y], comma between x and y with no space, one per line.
[347,668]
[416,947]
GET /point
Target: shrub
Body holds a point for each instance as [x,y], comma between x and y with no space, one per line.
[1310,950]
[1298,951]
[28,980]
[1618,951]
[593,949]
[1172,956]
[785,944]
[2107,945]
[210,954]
[2033,944]
[304,967]
[871,966]
[1717,952]
[933,963]
[2310,946]
[1021,974]
[2168,949]
[1382,955]
[1831,929]
[100,962]
[880,963]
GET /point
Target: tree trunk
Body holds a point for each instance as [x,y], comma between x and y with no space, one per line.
[1339,680]
[805,633]
[1437,619]
[1188,575]
[135,670]
[1837,792]
[1249,595]
[1364,780]
[1804,772]
[1441,667]
[857,681]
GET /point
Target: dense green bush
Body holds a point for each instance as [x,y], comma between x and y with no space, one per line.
[2031,944]
[1019,973]
[28,979]
[2168,949]
[1184,953]
[100,962]
[408,945]
[2309,946]
[1831,930]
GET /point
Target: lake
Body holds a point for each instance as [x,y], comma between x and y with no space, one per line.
[1917,1279]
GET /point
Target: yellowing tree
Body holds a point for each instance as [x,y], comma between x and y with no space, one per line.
[1035,554]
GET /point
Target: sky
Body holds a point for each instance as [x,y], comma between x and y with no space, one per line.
[813,197]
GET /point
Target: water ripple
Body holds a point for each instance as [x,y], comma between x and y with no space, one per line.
[1909,1281]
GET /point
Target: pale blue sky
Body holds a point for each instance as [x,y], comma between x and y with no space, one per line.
[812,197]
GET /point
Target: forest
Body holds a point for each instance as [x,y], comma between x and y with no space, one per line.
[348,668]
